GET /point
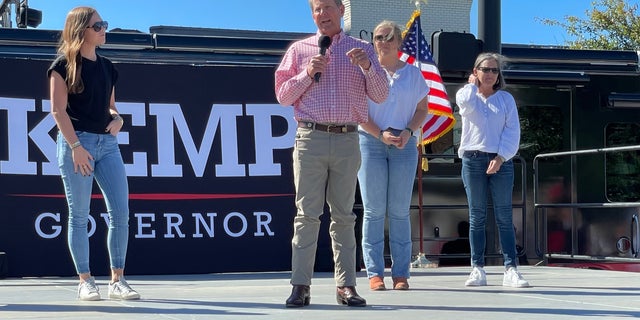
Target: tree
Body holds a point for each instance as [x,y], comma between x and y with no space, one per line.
[610,25]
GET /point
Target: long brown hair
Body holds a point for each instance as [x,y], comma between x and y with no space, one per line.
[70,42]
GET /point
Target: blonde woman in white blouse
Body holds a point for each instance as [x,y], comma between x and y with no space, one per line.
[389,161]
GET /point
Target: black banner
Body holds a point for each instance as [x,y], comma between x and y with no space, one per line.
[208,157]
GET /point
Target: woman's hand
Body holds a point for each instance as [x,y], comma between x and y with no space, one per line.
[494,165]
[473,79]
[82,160]
[405,135]
[114,126]
[389,139]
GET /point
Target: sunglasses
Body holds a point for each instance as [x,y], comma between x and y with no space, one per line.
[99,25]
[383,38]
[487,70]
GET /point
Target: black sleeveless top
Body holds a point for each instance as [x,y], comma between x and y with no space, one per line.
[89,110]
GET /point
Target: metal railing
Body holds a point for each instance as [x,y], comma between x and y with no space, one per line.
[448,206]
[540,213]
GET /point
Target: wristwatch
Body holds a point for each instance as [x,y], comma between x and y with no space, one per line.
[409,129]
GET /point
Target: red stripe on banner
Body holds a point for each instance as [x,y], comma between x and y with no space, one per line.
[167,196]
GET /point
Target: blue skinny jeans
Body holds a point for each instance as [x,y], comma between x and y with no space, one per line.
[478,185]
[109,173]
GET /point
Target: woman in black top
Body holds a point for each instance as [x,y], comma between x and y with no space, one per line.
[83,106]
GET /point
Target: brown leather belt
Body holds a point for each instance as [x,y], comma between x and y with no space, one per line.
[331,128]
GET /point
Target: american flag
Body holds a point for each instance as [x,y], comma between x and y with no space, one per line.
[440,118]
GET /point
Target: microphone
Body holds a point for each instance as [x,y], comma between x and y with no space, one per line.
[323,42]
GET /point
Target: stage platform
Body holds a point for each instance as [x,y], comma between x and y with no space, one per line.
[436,293]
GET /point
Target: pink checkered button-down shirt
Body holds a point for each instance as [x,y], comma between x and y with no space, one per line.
[341,95]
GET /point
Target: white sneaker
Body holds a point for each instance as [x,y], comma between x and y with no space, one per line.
[477,278]
[88,290]
[122,291]
[513,278]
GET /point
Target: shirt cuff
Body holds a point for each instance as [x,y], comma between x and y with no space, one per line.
[367,72]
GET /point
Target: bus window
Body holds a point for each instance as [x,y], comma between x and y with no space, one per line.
[540,130]
[623,168]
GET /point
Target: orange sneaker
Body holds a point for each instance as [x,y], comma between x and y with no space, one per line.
[400,283]
[376,283]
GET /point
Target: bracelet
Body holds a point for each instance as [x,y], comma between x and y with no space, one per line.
[117,117]
[380,135]
[76,144]
[409,129]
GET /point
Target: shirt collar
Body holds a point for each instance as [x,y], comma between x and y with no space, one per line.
[336,38]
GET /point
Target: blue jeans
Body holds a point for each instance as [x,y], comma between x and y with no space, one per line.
[386,183]
[478,184]
[109,172]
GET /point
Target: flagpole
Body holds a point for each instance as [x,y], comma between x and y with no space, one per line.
[421,260]
[417,4]
[419,62]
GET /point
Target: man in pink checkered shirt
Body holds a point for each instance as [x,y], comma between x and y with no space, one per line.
[326,156]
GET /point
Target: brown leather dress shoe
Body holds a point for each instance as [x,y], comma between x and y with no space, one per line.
[300,296]
[349,296]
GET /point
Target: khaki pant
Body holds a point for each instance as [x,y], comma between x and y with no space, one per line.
[325,167]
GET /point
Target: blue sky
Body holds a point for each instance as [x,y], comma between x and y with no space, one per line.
[518,16]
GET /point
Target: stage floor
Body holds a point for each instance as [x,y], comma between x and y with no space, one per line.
[437,293]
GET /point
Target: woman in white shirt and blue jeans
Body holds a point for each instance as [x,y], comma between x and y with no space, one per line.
[490,138]
[389,161]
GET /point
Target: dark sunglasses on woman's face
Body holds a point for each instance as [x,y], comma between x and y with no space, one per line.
[385,38]
[487,70]
[99,25]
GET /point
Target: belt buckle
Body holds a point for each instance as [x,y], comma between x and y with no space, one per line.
[331,127]
[341,128]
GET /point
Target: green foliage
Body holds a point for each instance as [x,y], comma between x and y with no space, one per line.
[610,25]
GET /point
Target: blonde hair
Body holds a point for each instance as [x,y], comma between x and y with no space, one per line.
[71,41]
[396,31]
